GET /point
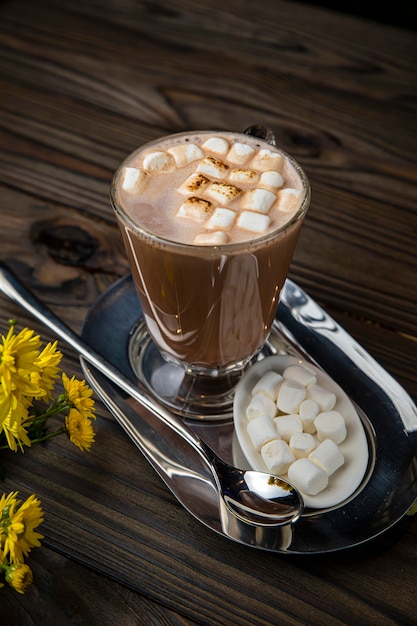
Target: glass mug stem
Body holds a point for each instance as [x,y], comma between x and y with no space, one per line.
[210,222]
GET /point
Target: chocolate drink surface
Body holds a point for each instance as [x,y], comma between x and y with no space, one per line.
[210,221]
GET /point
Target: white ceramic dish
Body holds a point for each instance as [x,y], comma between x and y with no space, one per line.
[347,478]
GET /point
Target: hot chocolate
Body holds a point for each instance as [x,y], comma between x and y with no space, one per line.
[210,221]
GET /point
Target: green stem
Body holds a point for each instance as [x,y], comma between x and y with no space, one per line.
[60,431]
[58,406]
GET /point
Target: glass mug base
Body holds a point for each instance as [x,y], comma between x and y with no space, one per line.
[193,396]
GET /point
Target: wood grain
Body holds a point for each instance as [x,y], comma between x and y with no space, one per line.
[81,85]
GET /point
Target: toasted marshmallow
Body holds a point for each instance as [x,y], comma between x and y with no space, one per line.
[255,222]
[259,200]
[186,153]
[308,411]
[223,192]
[267,160]
[195,208]
[213,167]
[216,238]
[308,477]
[287,425]
[271,178]
[222,219]
[244,176]
[240,153]
[268,384]
[301,374]
[290,396]
[330,425]
[277,456]
[157,161]
[218,145]
[288,199]
[261,430]
[324,398]
[261,405]
[133,180]
[328,456]
[194,184]
[302,444]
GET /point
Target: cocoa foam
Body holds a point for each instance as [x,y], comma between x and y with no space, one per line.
[209,188]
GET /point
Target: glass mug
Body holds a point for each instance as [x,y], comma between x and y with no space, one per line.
[210,222]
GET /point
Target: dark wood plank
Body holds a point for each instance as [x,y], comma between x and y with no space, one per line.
[55,598]
[351,162]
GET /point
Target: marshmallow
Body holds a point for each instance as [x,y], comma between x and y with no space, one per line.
[288,199]
[302,444]
[217,145]
[213,167]
[290,396]
[267,160]
[216,238]
[272,179]
[240,153]
[193,184]
[261,405]
[268,384]
[277,456]
[133,180]
[261,430]
[325,399]
[308,411]
[259,200]
[287,425]
[330,425]
[221,219]
[157,161]
[186,153]
[256,222]
[195,208]
[223,192]
[301,374]
[308,477]
[328,456]
[244,176]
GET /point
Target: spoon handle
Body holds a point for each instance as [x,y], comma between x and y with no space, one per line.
[11,286]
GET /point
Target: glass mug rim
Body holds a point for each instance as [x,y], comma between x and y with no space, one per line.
[230,247]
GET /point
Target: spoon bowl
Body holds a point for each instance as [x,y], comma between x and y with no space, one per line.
[254,497]
[259,498]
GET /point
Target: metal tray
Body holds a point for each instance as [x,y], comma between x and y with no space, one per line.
[303,329]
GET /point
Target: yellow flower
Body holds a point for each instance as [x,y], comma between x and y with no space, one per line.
[19,577]
[79,429]
[47,362]
[16,434]
[13,410]
[27,374]
[17,526]
[8,404]
[18,354]
[79,395]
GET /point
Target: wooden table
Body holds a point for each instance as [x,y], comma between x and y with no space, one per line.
[82,84]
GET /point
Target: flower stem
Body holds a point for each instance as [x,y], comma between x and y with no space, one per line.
[47,437]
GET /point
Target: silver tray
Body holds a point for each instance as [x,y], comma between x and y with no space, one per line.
[302,329]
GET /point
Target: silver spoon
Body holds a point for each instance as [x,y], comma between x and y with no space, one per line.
[252,496]
[186,474]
